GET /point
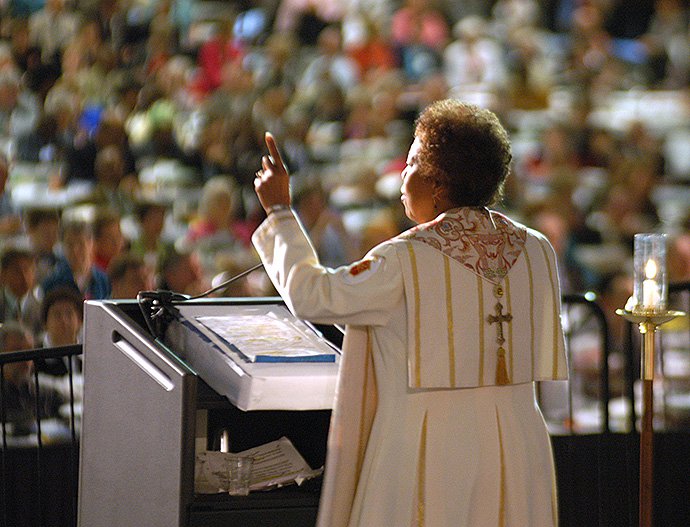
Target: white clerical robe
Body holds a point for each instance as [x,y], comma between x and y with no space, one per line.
[425,432]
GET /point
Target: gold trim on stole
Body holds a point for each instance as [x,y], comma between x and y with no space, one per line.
[421,476]
[449,317]
[554,300]
[502,492]
[363,437]
[509,309]
[531,305]
[480,294]
[417,322]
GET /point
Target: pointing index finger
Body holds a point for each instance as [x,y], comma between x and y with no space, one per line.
[273,150]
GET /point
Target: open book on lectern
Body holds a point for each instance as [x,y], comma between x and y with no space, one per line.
[263,333]
[256,353]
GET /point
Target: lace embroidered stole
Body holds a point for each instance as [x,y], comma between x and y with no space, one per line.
[484,242]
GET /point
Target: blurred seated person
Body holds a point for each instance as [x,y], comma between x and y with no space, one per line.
[371,50]
[419,21]
[43,231]
[19,296]
[419,32]
[81,154]
[217,216]
[624,213]
[256,283]
[279,61]
[474,58]
[108,241]
[19,395]
[55,131]
[213,54]
[129,275]
[679,255]
[114,188]
[76,268]
[307,18]
[38,77]
[380,227]
[19,108]
[330,63]
[181,272]
[52,27]
[563,225]
[10,221]
[42,144]
[62,313]
[325,226]
[214,210]
[150,244]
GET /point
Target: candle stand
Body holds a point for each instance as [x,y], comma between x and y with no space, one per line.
[648,321]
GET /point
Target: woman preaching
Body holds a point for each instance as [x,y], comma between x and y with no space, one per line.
[449,325]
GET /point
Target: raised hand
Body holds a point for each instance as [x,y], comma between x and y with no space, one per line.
[272,183]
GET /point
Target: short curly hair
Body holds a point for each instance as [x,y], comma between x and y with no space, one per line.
[466,150]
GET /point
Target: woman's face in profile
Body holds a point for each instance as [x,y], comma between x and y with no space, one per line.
[417,188]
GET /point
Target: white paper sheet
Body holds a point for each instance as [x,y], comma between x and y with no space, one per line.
[275,464]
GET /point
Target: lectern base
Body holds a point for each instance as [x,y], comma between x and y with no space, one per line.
[293,506]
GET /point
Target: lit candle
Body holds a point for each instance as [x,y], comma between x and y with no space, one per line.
[650,289]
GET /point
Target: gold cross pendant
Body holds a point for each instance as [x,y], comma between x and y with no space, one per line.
[499,318]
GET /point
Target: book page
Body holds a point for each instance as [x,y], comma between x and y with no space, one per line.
[267,338]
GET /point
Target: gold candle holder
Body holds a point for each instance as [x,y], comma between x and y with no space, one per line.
[647,320]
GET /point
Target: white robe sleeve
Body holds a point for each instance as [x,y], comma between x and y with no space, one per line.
[362,293]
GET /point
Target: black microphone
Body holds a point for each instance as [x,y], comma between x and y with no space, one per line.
[227,282]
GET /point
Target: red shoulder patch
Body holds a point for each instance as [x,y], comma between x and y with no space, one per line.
[362,266]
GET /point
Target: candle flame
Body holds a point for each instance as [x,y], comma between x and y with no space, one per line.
[650,269]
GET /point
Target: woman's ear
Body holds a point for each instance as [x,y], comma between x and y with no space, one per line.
[440,195]
[438,191]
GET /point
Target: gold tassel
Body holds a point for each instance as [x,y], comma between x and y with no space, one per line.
[501,369]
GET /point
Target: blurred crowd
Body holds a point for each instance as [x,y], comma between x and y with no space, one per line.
[130,132]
